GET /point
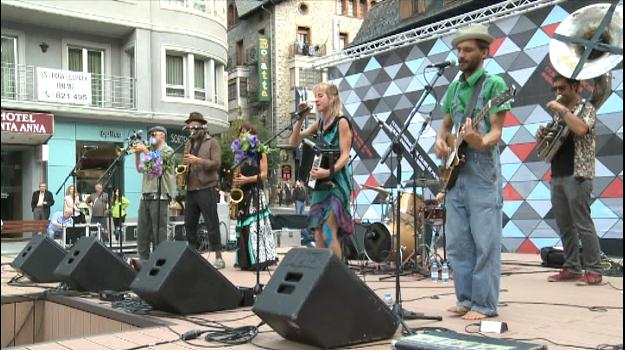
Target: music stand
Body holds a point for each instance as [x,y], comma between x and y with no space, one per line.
[399,149]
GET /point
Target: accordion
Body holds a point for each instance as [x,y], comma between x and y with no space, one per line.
[314,157]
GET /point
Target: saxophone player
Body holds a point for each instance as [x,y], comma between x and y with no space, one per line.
[202,155]
[573,169]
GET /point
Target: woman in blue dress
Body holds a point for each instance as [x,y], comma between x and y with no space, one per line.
[329,216]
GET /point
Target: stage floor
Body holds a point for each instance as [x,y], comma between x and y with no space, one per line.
[528,306]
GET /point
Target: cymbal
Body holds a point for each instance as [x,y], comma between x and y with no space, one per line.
[377,189]
[422,182]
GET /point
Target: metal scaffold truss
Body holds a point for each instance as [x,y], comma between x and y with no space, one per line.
[434,30]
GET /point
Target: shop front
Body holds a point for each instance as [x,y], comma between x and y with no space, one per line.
[23,159]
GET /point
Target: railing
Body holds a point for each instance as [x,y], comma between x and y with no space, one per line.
[19,83]
[298,49]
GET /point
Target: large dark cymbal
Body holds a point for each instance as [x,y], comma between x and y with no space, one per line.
[422,182]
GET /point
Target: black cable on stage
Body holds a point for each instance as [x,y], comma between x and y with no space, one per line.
[593,308]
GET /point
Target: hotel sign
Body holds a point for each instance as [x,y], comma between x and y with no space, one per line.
[264,69]
[63,86]
[20,127]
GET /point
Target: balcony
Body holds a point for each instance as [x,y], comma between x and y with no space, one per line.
[19,83]
[298,49]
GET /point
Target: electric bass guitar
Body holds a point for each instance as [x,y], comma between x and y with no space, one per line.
[456,158]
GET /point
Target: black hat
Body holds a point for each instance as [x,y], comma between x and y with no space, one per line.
[157,128]
[195,117]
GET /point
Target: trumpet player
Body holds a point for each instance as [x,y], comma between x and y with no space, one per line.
[202,156]
[152,225]
[572,169]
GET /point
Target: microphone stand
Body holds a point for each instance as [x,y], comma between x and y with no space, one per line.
[258,288]
[72,174]
[109,172]
[398,148]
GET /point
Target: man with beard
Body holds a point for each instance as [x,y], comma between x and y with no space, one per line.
[474,203]
[203,156]
[572,171]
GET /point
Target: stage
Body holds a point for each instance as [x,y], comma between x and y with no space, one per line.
[564,313]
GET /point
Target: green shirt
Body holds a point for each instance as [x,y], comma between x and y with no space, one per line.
[168,180]
[124,204]
[456,107]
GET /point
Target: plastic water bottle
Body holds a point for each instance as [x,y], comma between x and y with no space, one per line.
[388,299]
[434,271]
[445,272]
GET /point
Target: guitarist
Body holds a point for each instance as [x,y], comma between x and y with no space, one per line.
[474,203]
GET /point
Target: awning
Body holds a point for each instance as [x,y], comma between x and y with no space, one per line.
[26,128]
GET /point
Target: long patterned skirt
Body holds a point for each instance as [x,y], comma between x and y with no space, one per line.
[252,219]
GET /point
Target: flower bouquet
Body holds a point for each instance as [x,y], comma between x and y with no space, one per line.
[247,146]
[155,164]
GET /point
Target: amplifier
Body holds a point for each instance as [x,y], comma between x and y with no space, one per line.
[72,233]
[287,237]
[129,232]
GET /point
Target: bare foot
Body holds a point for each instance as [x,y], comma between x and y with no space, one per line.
[474,316]
[458,310]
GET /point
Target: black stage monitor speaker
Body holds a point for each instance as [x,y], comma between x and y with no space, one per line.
[313,298]
[178,279]
[38,259]
[91,266]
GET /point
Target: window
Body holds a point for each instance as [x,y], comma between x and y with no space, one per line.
[202,6]
[243,86]
[9,61]
[239,52]
[261,31]
[339,7]
[175,72]
[303,36]
[351,8]
[232,90]
[232,15]
[363,8]
[88,61]
[309,77]
[343,41]
[200,80]
[192,77]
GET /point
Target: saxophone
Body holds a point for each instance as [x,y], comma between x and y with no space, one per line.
[236,195]
[182,170]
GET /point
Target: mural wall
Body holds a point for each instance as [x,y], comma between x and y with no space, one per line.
[390,84]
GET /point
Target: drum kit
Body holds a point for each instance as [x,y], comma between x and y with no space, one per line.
[376,242]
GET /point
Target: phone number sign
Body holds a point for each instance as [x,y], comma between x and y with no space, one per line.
[63,86]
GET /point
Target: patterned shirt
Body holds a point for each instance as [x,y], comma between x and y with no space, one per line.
[584,161]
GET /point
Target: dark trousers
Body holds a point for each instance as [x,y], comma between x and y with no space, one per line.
[202,202]
[571,200]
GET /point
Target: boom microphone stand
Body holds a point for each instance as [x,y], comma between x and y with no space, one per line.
[258,288]
[72,174]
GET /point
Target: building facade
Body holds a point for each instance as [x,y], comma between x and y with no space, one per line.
[102,71]
[299,31]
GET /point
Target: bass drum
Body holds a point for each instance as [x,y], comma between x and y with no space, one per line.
[379,241]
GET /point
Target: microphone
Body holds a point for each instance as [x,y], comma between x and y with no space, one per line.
[136,134]
[299,114]
[443,64]
[426,122]
[310,143]
[384,125]
[90,147]
[200,127]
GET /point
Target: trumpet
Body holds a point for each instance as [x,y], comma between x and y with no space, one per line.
[130,149]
